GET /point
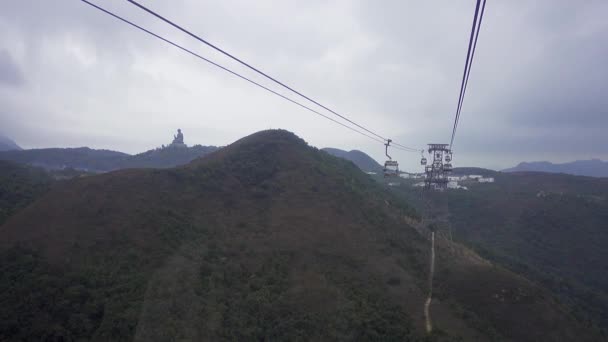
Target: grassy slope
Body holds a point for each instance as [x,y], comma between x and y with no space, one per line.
[265,239]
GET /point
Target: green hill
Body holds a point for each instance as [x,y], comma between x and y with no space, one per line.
[266,239]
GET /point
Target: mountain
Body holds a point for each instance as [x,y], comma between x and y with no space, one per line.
[7,144]
[265,239]
[362,160]
[87,159]
[591,168]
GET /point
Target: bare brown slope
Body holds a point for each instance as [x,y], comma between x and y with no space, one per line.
[265,239]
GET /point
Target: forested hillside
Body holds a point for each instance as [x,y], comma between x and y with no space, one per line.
[266,239]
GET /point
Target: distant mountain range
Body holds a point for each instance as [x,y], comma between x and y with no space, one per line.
[591,168]
[362,160]
[7,144]
[87,159]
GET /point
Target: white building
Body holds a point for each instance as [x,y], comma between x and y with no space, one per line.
[475,176]
[486,180]
[452,185]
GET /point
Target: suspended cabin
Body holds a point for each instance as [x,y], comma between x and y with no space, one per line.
[391,168]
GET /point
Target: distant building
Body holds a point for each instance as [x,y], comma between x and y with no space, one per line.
[454,185]
[371,173]
[486,180]
[475,176]
[454,178]
[394,184]
[421,184]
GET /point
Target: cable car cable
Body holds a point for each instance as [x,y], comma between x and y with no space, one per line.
[253,68]
[470,63]
[230,71]
[475,29]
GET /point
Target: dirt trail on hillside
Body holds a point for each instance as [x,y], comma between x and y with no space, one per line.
[427,304]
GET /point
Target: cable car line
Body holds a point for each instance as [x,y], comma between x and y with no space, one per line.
[256,69]
[475,29]
[230,71]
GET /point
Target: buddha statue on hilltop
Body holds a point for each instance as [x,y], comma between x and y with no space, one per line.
[179,138]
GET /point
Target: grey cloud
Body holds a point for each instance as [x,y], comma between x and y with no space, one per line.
[10,73]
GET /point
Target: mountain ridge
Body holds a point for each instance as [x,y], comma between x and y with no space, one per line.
[102,160]
[591,167]
[361,159]
[7,144]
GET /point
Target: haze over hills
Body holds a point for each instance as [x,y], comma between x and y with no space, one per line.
[7,144]
[266,239]
[361,159]
[591,168]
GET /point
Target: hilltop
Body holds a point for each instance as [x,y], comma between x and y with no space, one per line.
[361,159]
[591,168]
[265,239]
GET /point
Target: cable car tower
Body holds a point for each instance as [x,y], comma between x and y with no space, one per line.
[437,171]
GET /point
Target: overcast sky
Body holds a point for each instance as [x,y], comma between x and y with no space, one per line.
[73,76]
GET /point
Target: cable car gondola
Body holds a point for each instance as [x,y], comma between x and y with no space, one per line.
[391,167]
[447,167]
[423,160]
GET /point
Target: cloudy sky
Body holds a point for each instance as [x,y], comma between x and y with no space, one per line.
[73,76]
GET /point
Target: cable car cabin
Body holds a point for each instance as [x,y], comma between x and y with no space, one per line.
[447,167]
[391,168]
[448,157]
[423,161]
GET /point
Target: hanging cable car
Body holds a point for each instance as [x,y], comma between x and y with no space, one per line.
[448,157]
[391,167]
[447,167]
[423,160]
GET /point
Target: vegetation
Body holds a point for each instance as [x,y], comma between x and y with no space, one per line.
[550,228]
[19,186]
[266,239]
